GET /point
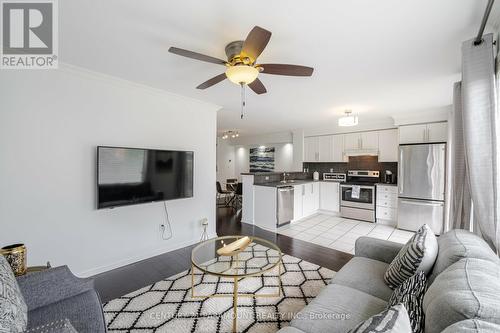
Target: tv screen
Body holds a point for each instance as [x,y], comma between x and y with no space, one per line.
[127,176]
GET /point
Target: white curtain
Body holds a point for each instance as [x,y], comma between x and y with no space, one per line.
[459,199]
[481,131]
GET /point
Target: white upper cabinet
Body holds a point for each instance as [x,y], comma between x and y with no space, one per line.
[326,148]
[437,132]
[352,141]
[361,141]
[338,148]
[311,149]
[369,140]
[412,133]
[388,146]
[423,133]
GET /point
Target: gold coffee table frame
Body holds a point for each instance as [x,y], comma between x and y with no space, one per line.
[234,266]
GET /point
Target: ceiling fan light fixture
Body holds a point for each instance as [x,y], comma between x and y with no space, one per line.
[348,120]
[242,74]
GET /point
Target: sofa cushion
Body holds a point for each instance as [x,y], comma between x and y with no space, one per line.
[290,329]
[393,320]
[468,289]
[13,309]
[366,275]
[78,309]
[458,244]
[58,326]
[411,294]
[472,326]
[419,254]
[337,309]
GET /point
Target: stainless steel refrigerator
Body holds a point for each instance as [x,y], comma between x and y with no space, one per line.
[421,186]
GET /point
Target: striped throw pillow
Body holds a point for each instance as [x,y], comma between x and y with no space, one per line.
[418,254]
[411,294]
[393,320]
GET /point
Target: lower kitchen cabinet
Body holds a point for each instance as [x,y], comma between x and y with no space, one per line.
[387,204]
[329,196]
[310,198]
[298,193]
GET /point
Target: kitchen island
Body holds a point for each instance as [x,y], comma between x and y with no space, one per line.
[261,206]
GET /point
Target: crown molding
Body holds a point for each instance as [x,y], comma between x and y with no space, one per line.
[123,83]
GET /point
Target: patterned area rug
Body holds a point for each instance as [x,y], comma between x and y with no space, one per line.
[167,306]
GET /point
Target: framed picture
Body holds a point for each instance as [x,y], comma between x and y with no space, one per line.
[262,159]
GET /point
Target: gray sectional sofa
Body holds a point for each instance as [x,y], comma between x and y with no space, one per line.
[463,288]
[56,294]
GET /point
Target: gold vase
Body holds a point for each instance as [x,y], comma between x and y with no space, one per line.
[16,257]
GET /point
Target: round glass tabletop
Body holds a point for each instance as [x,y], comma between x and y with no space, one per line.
[256,258]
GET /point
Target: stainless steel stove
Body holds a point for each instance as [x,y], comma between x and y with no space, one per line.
[358,195]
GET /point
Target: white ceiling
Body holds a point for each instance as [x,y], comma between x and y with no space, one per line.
[379,58]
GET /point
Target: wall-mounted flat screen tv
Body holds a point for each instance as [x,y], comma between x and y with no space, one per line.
[128,176]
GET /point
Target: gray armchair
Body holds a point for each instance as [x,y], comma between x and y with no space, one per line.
[56,294]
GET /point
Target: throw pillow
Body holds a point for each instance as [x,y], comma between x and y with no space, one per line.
[13,309]
[411,294]
[418,254]
[393,320]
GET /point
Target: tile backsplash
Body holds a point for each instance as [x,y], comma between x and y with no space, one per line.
[355,163]
[276,177]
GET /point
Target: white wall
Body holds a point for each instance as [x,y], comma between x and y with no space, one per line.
[298,149]
[283,157]
[50,124]
[225,160]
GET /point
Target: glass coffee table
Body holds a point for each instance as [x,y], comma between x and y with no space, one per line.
[254,257]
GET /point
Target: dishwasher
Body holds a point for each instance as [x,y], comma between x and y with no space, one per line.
[284,205]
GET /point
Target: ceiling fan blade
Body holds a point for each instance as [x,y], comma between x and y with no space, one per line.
[284,69]
[212,81]
[257,87]
[195,55]
[255,43]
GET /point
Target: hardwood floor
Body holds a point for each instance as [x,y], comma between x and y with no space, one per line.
[123,280]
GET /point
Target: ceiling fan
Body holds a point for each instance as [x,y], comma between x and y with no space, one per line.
[241,65]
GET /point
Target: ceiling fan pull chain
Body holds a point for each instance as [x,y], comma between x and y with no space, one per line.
[243,103]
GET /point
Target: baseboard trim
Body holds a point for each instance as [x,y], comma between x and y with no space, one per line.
[143,256]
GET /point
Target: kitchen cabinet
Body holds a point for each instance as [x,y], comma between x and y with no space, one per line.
[351,141]
[329,196]
[311,149]
[325,148]
[298,193]
[437,132]
[315,195]
[310,199]
[369,140]
[388,146]
[361,141]
[387,204]
[423,133]
[338,148]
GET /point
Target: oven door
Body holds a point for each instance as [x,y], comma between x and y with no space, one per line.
[366,199]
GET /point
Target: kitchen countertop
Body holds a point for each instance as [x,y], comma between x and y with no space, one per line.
[296,182]
[386,184]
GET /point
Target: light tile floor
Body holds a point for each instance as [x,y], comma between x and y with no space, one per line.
[339,233]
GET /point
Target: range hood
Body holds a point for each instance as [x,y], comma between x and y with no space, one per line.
[361,152]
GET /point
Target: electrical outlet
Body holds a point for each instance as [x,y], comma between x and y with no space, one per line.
[331,170]
[267,177]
